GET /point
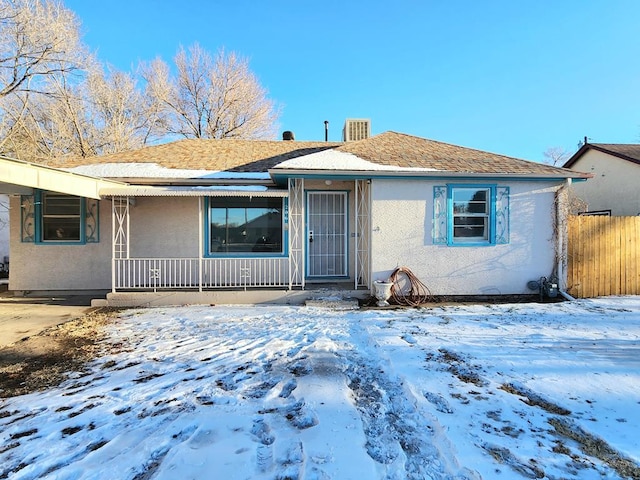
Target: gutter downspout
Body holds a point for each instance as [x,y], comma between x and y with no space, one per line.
[562,282]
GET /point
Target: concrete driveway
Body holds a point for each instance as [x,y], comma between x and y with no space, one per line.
[22,317]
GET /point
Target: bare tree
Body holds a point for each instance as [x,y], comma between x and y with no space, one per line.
[39,39]
[56,99]
[210,98]
[556,156]
[104,113]
[121,116]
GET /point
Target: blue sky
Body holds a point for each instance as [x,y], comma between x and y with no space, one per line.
[512,77]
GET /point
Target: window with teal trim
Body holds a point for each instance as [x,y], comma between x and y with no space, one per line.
[61,217]
[56,218]
[471,215]
[240,226]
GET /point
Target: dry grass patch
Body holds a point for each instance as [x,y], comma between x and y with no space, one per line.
[43,361]
[596,447]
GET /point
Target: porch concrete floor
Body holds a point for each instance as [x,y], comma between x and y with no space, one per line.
[228,297]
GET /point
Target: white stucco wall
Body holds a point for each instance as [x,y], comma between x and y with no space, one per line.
[614,185]
[402,226]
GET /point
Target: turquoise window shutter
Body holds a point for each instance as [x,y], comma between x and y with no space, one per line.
[502,215]
[91,223]
[27,218]
[439,215]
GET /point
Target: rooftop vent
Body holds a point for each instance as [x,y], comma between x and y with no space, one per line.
[356,129]
[288,135]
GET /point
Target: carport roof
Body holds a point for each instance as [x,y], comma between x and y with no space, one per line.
[20,177]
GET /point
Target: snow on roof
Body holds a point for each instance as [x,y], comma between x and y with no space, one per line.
[153,170]
[336,160]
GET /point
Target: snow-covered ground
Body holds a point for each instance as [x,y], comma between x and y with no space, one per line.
[452,392]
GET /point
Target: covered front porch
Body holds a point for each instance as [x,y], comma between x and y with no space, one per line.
[210,277]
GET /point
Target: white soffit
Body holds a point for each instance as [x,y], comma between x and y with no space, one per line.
[208,191]
[31,175]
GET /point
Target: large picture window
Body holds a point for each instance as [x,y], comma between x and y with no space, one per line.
[240,225]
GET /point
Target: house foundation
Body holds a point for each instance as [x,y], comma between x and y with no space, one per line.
[229,297]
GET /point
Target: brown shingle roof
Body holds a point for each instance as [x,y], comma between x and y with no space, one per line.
[401,150]
[201,154]
[626,151]
[389,148]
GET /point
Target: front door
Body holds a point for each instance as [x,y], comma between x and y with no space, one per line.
[326,234]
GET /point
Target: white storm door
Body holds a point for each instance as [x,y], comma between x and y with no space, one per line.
[326,234]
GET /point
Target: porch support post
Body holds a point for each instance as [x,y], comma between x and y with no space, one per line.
[296,232]
[120,237]
[303,236]
[363,233]
[357,228]
[200,241]
[113,244]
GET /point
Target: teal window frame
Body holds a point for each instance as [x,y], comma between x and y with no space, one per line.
[34,218]
[489,237]
[283,252]
[496,214]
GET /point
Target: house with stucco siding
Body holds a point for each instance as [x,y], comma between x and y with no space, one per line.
[615,169]
[212,221]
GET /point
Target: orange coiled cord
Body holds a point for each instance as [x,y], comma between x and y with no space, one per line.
[410,292]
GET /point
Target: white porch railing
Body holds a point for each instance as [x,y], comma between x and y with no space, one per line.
[206,273]
[245,272]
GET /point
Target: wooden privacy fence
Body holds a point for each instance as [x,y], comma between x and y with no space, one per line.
[603,256]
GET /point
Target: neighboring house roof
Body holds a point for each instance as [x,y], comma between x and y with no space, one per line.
[387,151]
[625,151]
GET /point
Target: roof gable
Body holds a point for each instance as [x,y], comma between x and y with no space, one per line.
[625,151]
